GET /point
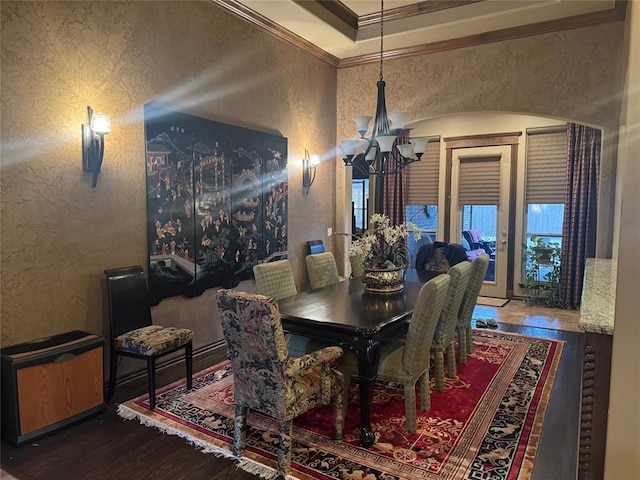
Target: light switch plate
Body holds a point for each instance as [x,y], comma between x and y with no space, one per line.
[329,231]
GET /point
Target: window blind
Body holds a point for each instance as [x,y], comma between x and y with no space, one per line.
[479,181]
[546,167]
[424,177]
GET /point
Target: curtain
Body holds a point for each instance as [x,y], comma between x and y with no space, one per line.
[394,186]
[580,211]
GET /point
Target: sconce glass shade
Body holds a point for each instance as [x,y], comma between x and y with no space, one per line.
[93,142]
[309,164]
[100,123]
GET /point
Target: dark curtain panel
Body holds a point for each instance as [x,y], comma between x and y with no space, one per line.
[580,211]
[395,187]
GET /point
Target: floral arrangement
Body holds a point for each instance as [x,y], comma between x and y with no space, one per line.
[384,246]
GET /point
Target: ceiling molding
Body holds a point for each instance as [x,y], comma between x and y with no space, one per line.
[236,8]
[614,14]
[342,18]
[411,10]
[335,8]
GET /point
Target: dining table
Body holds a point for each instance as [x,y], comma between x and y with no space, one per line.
[344,314]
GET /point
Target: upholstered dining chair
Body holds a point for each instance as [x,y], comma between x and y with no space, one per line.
[465,335]
[357,265]
[322,269]
[266,378]
[275,279]
[444,336]
[131,331]
[406,360]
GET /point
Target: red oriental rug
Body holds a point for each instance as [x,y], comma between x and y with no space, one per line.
[486,424]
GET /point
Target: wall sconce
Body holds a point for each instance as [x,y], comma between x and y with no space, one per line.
[93,142]
[309,164]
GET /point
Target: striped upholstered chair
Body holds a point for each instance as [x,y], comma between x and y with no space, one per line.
[465,336]
[267,379]
[445,334]
[322,269]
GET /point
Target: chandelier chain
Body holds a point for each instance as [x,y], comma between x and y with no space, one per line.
[381,35]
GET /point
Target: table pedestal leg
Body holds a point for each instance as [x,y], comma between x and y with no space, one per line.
[368,353]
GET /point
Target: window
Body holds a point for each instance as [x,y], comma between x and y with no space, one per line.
[545,186]
[482,218]
[360,200]
[544,221]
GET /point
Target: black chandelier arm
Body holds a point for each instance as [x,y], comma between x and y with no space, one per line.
[379,167]
[399,166]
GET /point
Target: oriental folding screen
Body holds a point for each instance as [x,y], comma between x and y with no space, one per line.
[216,202]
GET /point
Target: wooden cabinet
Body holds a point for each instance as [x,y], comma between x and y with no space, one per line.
[50,383]
[596,373]
[597,313]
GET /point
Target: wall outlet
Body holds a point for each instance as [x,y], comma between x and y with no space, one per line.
[329,231]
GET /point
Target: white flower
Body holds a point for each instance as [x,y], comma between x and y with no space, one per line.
[384,244]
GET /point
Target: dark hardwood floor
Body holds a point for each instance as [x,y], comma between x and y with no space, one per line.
[108,447]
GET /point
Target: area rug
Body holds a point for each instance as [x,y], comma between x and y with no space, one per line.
[492,302]
[486,424]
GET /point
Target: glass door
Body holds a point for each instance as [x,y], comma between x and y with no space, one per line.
[480,209]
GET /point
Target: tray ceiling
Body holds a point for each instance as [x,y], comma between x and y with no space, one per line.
[345,30]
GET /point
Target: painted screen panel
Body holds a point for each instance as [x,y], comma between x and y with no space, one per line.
[216,202]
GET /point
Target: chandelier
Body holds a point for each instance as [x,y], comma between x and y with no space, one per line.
[380,151]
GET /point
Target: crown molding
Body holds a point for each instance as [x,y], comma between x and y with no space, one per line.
[236,8]
[612,15]
[410,10]
[341,13]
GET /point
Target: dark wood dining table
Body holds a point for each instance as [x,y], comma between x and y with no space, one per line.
[344,314]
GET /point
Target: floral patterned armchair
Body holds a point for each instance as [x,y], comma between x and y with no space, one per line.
[266,378]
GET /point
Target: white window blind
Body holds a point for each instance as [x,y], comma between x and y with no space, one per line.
[424,177]
[546,166]
[479,182]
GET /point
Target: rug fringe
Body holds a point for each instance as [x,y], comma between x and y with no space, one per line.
[128,413]
[245,464]
[262,471]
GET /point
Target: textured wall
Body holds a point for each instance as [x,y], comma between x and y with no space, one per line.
[573,75]
[58,234]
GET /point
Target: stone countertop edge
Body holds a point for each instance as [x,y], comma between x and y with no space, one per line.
[597,309]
